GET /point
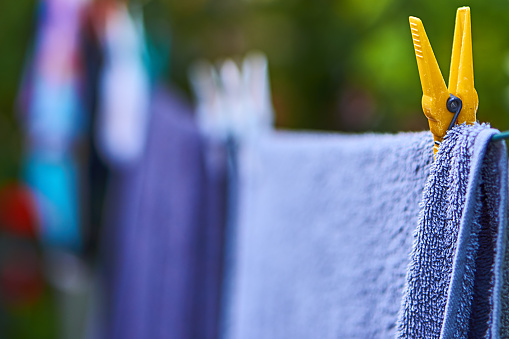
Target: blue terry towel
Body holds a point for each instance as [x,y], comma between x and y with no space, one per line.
[454,281]
[324,232]
[326,228]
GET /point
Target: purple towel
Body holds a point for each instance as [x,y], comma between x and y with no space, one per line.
[164,268]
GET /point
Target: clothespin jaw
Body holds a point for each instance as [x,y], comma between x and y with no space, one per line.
[461,79]
[435,94]
[461,75]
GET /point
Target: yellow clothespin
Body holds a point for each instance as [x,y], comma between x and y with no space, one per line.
[439,106]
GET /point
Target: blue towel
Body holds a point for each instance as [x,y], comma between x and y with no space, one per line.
[325,228]
[454,281]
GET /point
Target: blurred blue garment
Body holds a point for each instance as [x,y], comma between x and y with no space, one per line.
[324,231]
[54,122]
[53,181]
[55,115]
[455,279]
[163,240]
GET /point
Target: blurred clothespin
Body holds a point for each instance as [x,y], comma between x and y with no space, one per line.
[210,109]
[444,107]
[257,87]
[233,101]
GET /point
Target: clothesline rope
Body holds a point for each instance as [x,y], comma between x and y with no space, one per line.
[501,136]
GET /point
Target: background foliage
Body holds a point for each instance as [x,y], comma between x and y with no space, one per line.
[344,65]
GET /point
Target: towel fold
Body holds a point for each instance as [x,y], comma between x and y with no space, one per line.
[454,281]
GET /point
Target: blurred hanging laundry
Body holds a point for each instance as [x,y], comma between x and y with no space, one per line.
[54,121]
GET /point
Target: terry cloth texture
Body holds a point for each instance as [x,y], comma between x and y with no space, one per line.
[454,280]
[165,274]
[324,234]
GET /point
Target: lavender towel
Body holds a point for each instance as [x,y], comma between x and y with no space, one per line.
[454,282]
[324,233]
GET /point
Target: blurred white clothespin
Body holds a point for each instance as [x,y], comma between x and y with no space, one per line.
[233,98]
[256,79]
[210,108]
[233,102]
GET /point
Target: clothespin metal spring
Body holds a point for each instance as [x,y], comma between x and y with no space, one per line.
[454,105]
